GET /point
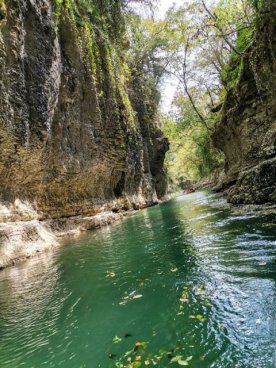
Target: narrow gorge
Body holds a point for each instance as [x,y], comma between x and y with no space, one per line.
[152,123]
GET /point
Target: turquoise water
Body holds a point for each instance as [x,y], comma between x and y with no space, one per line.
[190,282]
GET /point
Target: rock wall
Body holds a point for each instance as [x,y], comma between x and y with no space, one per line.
[246,132]
[71,142]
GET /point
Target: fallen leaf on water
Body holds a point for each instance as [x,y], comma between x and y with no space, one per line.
[176,358]
[137,296]
[116,340]
[110,274]
[174,269]
[182,362]
[198,316]
[123,303]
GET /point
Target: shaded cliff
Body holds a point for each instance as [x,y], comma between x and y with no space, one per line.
[71,138]
[246,132]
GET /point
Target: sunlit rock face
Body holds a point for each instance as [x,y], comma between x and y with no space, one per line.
[71,142]
[246,131]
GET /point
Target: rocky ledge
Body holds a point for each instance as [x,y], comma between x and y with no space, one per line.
[20,240]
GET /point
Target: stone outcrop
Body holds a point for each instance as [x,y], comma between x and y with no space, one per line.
[69,137]
[246,132]
[71,140]
[21,239]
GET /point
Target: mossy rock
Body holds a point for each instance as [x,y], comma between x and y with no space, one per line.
[3,10]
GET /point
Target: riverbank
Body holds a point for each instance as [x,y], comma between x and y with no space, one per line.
[25,233]
[21,240]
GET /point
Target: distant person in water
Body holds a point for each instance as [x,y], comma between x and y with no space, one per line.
[188,191]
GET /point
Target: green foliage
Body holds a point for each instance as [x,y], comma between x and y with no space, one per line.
[205,45]
[192,155]
[231,71]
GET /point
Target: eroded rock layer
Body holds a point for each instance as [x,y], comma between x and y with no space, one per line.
[71,141]
[246,131]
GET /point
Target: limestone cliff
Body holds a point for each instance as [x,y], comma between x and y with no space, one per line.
[246,131]
[71,139]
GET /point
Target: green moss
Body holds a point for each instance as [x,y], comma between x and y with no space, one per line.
[3,11]
[231,73]
[101,35]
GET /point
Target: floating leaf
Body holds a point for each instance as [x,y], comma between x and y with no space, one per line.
[110,274]
[183,362]
[117,340]
[198,316]
[119,365]
[137,296]
[176,358]
[139,344]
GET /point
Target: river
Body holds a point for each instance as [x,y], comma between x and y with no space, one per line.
[186,283]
